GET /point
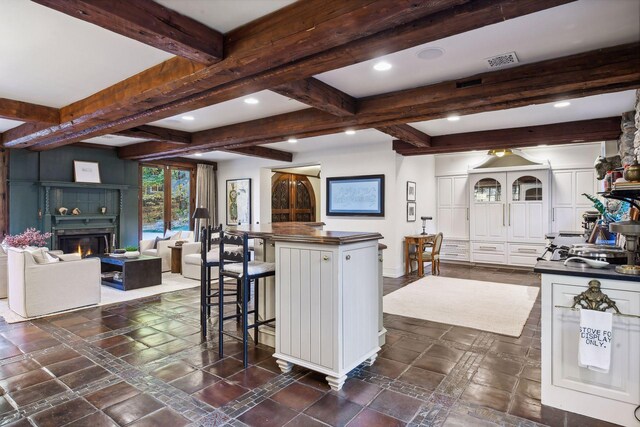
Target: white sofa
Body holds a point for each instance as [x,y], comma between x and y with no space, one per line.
[163,250]
[192,259]
[38,289]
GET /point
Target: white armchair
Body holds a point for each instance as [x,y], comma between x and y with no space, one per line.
[37,289]
[162,250]
[192,260]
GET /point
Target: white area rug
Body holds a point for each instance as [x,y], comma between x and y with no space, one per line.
[494,307]
[170,282]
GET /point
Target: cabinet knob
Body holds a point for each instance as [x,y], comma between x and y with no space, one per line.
[348,257]
[325,258]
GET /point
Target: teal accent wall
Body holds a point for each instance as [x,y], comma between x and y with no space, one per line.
[26,168]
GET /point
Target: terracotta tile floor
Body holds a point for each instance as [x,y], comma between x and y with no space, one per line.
[143,363]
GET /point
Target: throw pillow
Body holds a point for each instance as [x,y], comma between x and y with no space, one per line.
[176,236]
[70,257]
[39,256]
[51,258]
[158,239]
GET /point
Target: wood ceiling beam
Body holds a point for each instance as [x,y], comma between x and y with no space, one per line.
[319,95]
[150,23]
[262,152]
[27,112]
[294,43]
[590,73]
[408,134]
[554,134]
[158,134]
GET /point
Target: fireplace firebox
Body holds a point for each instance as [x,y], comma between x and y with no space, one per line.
[85,242]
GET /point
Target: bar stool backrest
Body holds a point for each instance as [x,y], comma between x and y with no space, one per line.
[209,237]
[233,255]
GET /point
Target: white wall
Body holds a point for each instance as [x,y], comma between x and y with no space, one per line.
[376,159]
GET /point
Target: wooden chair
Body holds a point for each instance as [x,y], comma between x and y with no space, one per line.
[237,265]
[430,252]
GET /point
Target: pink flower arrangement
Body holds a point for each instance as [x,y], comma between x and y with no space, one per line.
[31,237]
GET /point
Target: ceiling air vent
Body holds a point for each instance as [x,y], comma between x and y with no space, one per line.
[503,60]
[108,136]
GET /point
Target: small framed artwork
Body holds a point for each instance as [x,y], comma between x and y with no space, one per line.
[239,201]
[411,211]
[411,191]
[86,172]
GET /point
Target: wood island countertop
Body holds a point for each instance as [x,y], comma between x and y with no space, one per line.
[303,233]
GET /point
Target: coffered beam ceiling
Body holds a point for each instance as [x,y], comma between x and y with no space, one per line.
[26,112]
[319,95]
[554,134]
[590,73]
[149,23]
[157,133]
[408,134]
[294,43]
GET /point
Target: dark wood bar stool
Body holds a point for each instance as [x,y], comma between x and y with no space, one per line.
[210,256]
[236,264]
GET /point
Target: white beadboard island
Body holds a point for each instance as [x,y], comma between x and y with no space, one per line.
[327,298]
[611,396]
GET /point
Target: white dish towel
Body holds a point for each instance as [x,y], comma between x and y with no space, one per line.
[594,349]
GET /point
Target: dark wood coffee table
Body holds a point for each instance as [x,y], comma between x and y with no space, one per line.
[135,273]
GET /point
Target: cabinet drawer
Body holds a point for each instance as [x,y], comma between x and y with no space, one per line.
[492,258]
[455,256]
[454,246]
[524,249]
[488,247]
[525,261]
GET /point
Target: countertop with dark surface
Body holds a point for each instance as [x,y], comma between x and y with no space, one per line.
[303,233]
[582,270]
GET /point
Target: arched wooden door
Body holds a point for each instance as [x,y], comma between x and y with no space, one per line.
[292,198]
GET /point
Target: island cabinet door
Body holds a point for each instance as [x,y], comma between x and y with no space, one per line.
[622,382]
[359,304]
[306,305]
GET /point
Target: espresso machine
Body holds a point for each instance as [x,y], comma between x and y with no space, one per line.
[630,230]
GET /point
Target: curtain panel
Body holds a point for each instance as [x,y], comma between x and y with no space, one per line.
[206,196]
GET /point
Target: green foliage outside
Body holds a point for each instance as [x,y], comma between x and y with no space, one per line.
[153,199]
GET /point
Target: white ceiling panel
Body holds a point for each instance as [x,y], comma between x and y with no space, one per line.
[224,15]
[572,28]
[233,111]
[114,140]
[6,124]
[591,107]
[335,141]
[216,156]
[52,59]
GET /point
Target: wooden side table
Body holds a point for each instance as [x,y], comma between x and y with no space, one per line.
[419,241]
[176,259]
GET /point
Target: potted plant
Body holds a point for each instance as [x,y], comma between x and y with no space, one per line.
[131,252]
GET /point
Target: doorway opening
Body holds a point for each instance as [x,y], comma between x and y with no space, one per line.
[295,194]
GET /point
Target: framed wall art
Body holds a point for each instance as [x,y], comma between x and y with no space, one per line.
[355,196]
[239,201]
[86,172]
[411,211]
[411,191]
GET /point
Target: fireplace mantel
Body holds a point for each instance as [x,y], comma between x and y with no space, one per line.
[84,218]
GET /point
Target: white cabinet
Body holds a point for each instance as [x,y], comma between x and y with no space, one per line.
[453,207]
[326,306]
[509,216]
[454,250]
[568,203]
[610,396]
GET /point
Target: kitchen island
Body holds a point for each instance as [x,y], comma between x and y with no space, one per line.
[326,296]
[611,396]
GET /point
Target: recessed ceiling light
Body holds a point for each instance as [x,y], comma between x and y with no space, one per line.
[350,132]
[198,154]
[382,66]
[251,101]
[292,140]
[188,118]
[430,53]
[453,118]
[562,104]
